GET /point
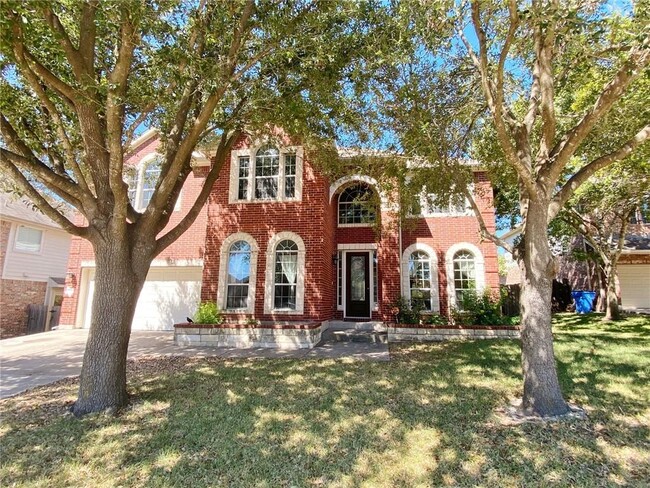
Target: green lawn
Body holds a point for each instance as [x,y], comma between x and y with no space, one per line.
[427,418]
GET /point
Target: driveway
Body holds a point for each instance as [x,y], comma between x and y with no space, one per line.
[39,359]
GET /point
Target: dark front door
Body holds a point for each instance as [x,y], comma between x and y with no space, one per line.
[357,285]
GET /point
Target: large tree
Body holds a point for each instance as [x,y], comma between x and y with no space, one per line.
[513,70]
[601,211]
[81,79]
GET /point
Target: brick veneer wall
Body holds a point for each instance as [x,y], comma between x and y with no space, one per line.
[309,218]
[16,295]
[314,220]
[440,233]
[189,246]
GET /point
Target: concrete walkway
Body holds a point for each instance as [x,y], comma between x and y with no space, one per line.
[39,359]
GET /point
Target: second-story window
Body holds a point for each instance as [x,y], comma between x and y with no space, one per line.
[142,182]
[356,206]
[265,174]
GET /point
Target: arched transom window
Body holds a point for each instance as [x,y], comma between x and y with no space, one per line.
[464,274]
[286,275]
[356,206]
[239,274]
[420,279]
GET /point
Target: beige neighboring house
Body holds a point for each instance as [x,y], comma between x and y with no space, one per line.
[33,258]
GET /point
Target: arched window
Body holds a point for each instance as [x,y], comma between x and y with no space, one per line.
[286,275]
[142,181]
[356,205]
[239,274]
[464,274]
[284,286]
[267,172]
[419,268]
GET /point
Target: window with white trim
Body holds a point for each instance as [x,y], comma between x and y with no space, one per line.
[142,181]
[464,274]
[419,269]
[284,286]
[28,239]
[239,274]
[356,206]
[285,276]
[267,173]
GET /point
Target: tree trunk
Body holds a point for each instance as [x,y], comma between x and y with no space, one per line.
[613,311]
[601,306]
[102,384]
[542,393]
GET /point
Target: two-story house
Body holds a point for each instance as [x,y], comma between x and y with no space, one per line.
[33,260]
[279,242]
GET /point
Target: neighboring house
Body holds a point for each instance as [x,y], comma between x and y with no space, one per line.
[34,256]
[278,241]
[633,267]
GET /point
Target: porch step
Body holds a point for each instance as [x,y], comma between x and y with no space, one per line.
[372,326]
[352,335]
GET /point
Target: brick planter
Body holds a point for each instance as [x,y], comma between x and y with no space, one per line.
[274,336]
[419,333]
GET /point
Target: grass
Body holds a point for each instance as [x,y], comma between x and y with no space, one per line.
[427,418]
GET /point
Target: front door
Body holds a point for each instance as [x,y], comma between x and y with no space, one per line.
[357,285]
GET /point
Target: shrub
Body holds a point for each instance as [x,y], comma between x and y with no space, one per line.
[475,309]
[208,313]
[407,313]
[412,313]
[434,319]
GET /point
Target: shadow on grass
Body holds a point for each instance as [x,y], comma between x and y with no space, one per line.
[425,418]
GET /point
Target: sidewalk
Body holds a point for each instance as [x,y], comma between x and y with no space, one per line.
[39,359]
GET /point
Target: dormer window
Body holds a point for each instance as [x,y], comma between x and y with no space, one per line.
[266,173]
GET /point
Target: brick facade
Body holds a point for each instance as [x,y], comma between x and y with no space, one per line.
[16,295]
[314,219]
[189,247]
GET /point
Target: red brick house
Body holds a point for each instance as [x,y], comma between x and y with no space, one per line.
[279,242]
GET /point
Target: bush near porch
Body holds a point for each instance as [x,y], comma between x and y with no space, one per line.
[430,417]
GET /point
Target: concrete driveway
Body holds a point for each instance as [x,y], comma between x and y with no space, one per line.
[39,359]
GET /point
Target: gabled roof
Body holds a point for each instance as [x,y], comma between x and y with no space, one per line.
[22,210]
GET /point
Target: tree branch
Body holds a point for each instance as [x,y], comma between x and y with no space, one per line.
[589,169]
[225,145]
[69,152]
[496,108]
[22,156]
[40,202]
[628,72]
[73,56]
[485,233]
[118,78]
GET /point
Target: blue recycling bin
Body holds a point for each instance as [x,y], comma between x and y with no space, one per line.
[584,300]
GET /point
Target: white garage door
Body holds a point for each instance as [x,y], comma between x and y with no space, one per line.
[635,285]
[168,296]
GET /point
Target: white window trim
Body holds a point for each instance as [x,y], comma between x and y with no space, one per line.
[433,266]
[479,262]
[251,153]
[424,204]
[343,249]
[139,182]
[269,284]
[41,244]
[223,272]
